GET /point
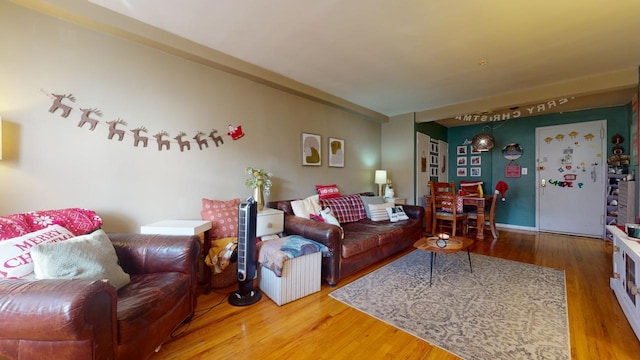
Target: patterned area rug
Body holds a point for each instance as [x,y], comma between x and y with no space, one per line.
[503,310]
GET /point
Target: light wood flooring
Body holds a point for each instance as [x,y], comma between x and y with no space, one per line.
[319,327]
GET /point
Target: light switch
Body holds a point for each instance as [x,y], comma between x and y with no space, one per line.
[523,171]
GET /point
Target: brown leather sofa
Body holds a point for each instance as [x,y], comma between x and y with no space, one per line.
[365,242]
[81,319]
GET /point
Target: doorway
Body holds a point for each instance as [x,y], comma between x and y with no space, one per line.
[422,166]
[571,178]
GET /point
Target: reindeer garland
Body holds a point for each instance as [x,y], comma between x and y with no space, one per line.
[115,127]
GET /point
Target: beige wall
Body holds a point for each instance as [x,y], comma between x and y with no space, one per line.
[49,162]
[398,147]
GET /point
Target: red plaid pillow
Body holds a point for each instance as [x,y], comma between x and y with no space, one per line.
[359,212]
[347,209]
[328,191]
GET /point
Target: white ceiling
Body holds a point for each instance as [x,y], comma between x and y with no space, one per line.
[397,57]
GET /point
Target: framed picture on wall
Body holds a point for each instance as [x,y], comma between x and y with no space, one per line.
[476,171]
[461,150]
[461,161]
[461,172]
[311,149]
[336,152]
[434,147]
[475,151]
[476,160]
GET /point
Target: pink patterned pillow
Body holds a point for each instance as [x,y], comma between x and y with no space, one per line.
[12,226]
[347,209]
[223,216]
[78,221]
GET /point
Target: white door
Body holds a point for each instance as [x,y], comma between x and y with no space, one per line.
[571,178]
[423,146]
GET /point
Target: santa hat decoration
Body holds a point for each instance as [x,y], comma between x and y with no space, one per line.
[501,188]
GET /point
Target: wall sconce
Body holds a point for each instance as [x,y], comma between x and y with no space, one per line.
[483,141]
[380,179]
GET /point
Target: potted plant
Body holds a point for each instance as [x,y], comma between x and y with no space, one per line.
[260,181]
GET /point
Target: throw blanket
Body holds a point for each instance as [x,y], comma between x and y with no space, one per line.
[273,253]
[220,254]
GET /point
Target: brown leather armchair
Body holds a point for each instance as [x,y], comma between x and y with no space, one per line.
[81,319]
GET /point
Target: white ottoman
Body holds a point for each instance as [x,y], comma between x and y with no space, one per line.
[300,277]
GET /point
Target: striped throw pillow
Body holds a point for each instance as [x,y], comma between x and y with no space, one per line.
[379,211]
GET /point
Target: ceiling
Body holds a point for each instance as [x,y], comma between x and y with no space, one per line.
[435,58]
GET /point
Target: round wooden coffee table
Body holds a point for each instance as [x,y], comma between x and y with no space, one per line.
[452,245]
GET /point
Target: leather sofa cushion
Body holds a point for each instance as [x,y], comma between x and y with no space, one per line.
[364,235]
[148,297]
[360,236]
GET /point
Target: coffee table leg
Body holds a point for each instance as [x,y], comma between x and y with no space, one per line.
[469,256]
[431,269]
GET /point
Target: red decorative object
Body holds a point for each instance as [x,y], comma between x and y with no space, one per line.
[617,139]
[512,170]
[502,188]
[235,132]
[328,191]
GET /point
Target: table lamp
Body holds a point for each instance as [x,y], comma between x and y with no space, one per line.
[380,179]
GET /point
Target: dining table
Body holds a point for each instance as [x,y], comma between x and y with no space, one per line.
[479,202]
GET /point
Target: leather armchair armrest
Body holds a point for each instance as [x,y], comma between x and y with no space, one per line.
[147,254]
[327,234]
[414,211]
[58,309]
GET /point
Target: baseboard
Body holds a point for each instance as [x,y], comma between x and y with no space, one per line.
[516,227]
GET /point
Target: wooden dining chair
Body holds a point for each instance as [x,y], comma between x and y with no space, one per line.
[489,218]
[444,203]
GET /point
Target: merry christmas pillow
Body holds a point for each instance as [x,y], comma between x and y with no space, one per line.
[15,254]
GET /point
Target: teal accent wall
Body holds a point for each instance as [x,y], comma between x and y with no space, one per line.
[435,130]
[520,205]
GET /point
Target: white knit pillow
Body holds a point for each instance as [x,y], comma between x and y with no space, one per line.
[303,208]
[89,257]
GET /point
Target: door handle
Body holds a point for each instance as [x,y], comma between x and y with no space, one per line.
[543,183]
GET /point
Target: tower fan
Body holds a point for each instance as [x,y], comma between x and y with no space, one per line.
[247,258]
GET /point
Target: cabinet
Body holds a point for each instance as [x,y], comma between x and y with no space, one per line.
[269,222]
[620,204]
[625,280]
[626,202]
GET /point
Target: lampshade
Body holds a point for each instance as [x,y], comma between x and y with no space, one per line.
[0,137]
[381,177]
[483,142]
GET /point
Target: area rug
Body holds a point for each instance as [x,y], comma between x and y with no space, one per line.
[503,310]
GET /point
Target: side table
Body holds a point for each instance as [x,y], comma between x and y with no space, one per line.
[186,227]
[269,222]
[453,245]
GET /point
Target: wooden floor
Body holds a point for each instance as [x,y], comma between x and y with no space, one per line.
[319,327]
